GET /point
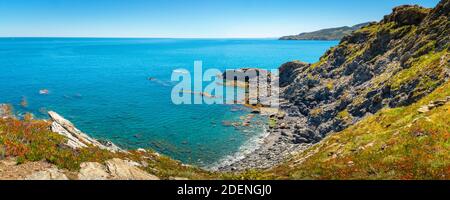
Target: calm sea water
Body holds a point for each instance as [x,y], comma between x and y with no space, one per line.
[102,86]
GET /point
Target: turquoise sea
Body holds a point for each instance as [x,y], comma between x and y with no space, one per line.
[102,86]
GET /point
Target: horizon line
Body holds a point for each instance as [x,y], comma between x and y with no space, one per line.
[131,37]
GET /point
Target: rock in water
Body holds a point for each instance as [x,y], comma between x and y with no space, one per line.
[44,92]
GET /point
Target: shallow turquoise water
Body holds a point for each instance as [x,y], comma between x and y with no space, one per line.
[101,86]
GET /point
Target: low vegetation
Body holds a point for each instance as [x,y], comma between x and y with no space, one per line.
[395,143]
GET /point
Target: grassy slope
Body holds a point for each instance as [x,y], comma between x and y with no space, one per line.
[398,143]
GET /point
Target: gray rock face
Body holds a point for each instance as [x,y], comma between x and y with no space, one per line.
[360,85]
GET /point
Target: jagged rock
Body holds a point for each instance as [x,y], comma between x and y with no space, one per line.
[76,138]
[93,171]
[123,170]
[406,15]
[357,76]
[47,174]
[289,71]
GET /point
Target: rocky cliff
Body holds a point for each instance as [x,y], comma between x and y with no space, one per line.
[392,63]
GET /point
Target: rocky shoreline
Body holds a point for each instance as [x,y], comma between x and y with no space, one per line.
[279,144]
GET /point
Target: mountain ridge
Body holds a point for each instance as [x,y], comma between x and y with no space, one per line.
[326,34]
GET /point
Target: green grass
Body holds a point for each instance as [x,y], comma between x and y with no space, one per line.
[427,69]
[397,143]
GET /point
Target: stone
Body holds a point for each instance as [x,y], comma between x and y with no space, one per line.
[281,115]
[93,171]
[423,109]
[141,150]
[178,178]
[122,170]
[48,174]
[256,111]
[44,92]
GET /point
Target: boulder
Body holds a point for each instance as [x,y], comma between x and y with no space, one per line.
[123,170]
[407,15]
[93,171]
[47,174]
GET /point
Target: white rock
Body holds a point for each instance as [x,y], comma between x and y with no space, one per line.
[141,150]
[122,170]
[93,171]
[48,174]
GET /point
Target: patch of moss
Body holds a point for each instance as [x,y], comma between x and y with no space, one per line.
[272,122]
[427,70]
[344,115]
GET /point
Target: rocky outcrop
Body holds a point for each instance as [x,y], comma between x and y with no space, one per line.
[48,174]
[76,138]
[432,105]
[391,63]
[126,170]
[93,171]
[114,169]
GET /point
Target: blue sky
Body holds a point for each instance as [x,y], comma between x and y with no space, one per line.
[184,18]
